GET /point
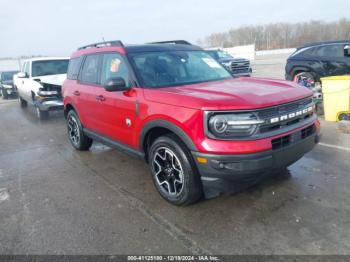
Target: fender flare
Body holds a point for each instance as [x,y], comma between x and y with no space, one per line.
[301,68]
[170,126]
[74,108]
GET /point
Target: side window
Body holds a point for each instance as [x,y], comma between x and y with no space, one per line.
[114,65]
[74,68]
[309,51]
[330,51]
[89,72]
[26,68]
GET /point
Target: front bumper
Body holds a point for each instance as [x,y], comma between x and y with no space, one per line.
[49,103]
[10,90]
[236,167]
[239,73]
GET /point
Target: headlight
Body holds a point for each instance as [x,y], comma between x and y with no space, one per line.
[227,64]
[233,125]
[7,86]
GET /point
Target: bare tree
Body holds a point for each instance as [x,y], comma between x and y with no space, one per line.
[280,35]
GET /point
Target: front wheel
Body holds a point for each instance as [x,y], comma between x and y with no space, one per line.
[42,115]
[173,171]
[4,94]
[306,79]
[23,103]
[76,135]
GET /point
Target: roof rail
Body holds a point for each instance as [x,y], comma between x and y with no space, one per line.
[176,42]
[102,44]
[324,43]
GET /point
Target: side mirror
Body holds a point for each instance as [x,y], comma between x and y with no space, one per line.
[22,75]
[116,84]
[347,50]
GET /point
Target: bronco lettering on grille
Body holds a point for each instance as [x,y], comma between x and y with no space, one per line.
[291,115]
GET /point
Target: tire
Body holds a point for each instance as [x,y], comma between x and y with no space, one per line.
[307,76]
[174,173]
[76,135]
[4,94]
[23,103]
[42,115]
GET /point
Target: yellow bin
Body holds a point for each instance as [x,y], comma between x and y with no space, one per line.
[336,96]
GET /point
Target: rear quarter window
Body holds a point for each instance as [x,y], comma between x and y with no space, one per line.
[74,68]
[330,51]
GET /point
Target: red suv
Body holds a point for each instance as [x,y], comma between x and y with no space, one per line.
[199,128]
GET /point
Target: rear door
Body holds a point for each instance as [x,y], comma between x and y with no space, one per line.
[86,89]
[334,59]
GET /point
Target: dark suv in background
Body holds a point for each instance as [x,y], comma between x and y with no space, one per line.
[313,61]
[6,84]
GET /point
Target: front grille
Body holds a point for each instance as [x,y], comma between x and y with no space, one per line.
[306,132]
[240,66]
[283,141]
[285,109]
[52,87]
[280,142]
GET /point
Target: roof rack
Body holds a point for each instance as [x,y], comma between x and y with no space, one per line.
[103,44]
[176,42]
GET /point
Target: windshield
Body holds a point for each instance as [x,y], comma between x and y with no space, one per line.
[49,67]
[223,54]
[162,69]
[7,76]
[218,54]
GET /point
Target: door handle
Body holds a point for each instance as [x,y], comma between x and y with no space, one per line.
[100,98]
[76,93]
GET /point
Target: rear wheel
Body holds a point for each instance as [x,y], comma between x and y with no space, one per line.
[76,135]
[173,172]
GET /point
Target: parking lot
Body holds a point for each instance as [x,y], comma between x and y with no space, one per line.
[55,200]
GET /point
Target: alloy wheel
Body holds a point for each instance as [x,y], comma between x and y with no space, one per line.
[168,171]
[73,130]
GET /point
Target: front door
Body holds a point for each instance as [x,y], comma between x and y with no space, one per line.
[116,111]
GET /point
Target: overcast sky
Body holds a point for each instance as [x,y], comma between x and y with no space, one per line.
[58,27]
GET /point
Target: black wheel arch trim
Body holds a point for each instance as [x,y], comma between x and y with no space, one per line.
[74,108]
[171,127]
[303,69]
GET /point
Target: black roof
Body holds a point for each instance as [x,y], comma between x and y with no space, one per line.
[325,43]
[160,48]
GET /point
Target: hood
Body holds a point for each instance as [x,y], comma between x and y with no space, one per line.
[225,60]
[233,59]
[52,79]
[231,94]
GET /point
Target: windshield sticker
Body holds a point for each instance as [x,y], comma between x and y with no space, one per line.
[211,62]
